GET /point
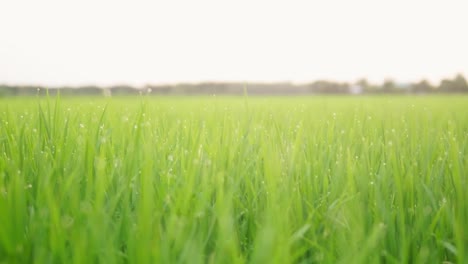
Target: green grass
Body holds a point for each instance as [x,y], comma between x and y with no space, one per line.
[234,180]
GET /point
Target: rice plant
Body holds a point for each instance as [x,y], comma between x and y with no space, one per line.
[234,180]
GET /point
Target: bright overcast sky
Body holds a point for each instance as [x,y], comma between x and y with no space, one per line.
[57,42]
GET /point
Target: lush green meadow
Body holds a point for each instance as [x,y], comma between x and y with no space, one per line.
[234,180]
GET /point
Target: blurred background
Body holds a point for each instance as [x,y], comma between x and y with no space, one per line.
[233,47]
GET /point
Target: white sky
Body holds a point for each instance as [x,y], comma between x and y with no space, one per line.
[59,42]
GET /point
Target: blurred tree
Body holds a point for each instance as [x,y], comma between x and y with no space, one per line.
[445,86]
[457,85]
[363,83]
[389,86]
[422,87]
[6,90]
[366,86]
[460,83]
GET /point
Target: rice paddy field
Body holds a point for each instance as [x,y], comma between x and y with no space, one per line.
[234,180]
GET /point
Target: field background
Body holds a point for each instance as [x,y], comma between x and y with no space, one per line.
[234,179]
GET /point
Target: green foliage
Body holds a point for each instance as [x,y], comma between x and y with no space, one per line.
[456,85]
[234,180]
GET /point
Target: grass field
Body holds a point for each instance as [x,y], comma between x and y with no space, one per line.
[234,180]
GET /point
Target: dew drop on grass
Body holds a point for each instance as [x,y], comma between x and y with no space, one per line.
[443,201]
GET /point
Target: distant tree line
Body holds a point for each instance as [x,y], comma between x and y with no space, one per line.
[456,85]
